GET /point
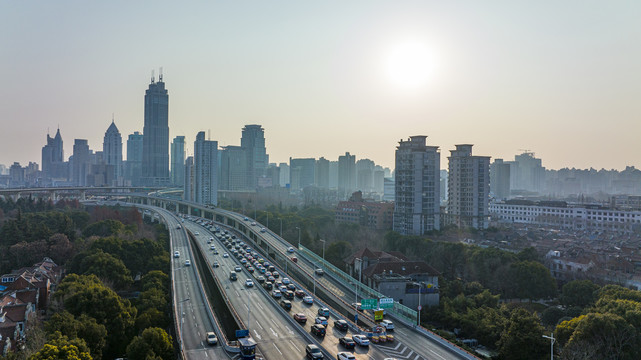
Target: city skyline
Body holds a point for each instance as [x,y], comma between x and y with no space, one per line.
[548,77]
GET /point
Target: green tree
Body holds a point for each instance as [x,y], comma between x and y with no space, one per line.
[580,293]
[613,336]
[523,337]
[154,343]
[104,228]
[155,279]
[84,327]
[337,251]
[530,280]
[61,347]
[107,267]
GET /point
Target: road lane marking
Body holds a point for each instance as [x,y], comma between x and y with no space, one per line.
[258,336]
[261,326]
[294,345]
[274,332]
[278,348]
[435,353]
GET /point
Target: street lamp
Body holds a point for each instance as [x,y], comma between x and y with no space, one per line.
[419,308]
[323,241]
[360,272]
[281,227]
[552,340]
[298,237]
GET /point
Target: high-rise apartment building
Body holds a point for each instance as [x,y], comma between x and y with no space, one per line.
[500,179]
[527,173]
[284,174]
[468,197]
[178,161]
[53,158]
[253,141]
[346,175]
[205,170]
[155,154]
[233,168]
[365,175]
[302,173]
[112,152]
[322,173]
[416,187]
[133,165]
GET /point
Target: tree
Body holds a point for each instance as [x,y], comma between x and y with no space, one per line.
[155,279]
[531,280]
[337,251]
[61,347]
[154,343]
[580,293]
[85,328]
[523,337]
[614,337]
[108,267]
[104,228]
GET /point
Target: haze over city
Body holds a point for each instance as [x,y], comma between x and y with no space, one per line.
[559,79]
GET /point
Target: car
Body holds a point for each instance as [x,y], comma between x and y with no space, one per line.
[282,288]
[249,283]
[318,330]
[246,218]
[176,254]
[196,233]
[178,227]
[276,294]
[260,279]
[308,299]
[291,287]
[215,252]
[253,223]
[238,269]
[286,281]
[319,272]
[300,318]
[271,278]
[387,324]
[323,312]
[299,293]
[211,338]
[358,306]
[225,255]
[321,320]
[263,230]
[211,238]
[341,325]
[288,294]
[294,259]
[212,247]
[243,261]
[286,304]
[345,356]
[313,352]
[275,274]
[290,249]
[251,269]
[361,340]
[187,262]
[216,264]
[268,285]
[232,276]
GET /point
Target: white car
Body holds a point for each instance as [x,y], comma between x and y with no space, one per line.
[290,249]
[321,320]
[345,356]
[196,233]
[253,223]
[225,255]
[176,254]
[387,324]
[361,340]
[211,338]
[249,283]
[308,299]
[263,230]
[187,262]
[286,281]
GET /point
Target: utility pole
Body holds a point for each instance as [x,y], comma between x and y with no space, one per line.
[552,340]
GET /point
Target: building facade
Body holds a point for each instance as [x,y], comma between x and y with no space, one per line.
[233,168]
[206,170]
[188,192]
[500,179]
[416,187]
[133,166]
[53,158]
[302,173]
[253,142]
[155,154]
[372,214]
[468,187]
[178,161]
[346,175]
[112,153]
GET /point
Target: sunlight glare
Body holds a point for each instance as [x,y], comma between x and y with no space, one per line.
[410,65]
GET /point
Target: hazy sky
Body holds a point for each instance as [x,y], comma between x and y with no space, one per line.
[560,78]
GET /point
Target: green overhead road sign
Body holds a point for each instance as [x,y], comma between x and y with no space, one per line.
[368,304]
[387,303]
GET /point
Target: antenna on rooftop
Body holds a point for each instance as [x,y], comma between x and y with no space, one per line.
[208,134]
[152,76]
[160,74]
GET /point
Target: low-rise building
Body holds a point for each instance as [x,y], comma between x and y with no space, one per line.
[373,214]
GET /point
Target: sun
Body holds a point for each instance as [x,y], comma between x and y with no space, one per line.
[410,65]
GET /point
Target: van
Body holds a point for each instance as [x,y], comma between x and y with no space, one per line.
[233,276]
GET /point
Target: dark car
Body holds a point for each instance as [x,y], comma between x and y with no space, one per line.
[300,318]
[286,304]
[347,343]
[341,325]
[313,352]
[291,287]
[288,294]
[267,285]
[299,293]
[318,330]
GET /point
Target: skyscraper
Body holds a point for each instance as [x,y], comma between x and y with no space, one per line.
[468,189]
[206,170]
[155,154]
[253,141]
[53,158]
[301,173]
[233,168]
[416,187]
[500,179]
[346,175]
[112,152]
[188,193]
[178,161]
[81,162]
[134,158]
[322,173]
